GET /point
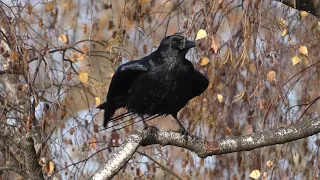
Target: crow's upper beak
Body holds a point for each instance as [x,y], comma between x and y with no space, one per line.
[189,44]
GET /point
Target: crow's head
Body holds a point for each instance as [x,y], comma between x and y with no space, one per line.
[177,43]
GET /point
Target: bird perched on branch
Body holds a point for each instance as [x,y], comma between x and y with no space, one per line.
[161,83]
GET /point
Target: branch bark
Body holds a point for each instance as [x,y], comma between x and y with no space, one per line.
[15,169]
[34,169]
[201,147]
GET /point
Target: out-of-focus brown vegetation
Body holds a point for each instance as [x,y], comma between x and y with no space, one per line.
[262,59]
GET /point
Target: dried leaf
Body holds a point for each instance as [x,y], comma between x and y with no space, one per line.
[93,143]
[261,103]
[201,34]
[255,174]
[47,167]
[85,49]
[63,112]
[145,49]
[84,28]
[296,159]
[48,7]
[204,61]
[271,76]
[68,75]
[214,46]
[96,128]
[295,60]
[72,131]
[282,22]
[29,7]
[15,55]
[110,26]
[227,131]
[83,77]
[63,38]
[284,32]
[97,100]
[40,23]
[269,163]
[76,56]
[303,50]
[220,98]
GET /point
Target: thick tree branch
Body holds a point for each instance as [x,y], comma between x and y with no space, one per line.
[27,145]
[201,147]
[15,169]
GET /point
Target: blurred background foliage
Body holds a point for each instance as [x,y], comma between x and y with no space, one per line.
[261,57]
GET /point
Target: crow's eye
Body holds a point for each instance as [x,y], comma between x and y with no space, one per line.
[175,42]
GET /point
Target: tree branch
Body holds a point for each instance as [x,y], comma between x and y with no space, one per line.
[15,169]
[27,145]
[201,147]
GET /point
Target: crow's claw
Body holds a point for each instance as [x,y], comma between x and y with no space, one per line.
[184,132]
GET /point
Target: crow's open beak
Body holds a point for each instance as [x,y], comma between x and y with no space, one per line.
[189,44]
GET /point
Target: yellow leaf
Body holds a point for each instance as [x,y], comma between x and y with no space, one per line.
[303,50]
[284,32]
[303,13]
[49,6]
[83,77]
[63,38]
[51,168]
[295,60]
[93,143]
[201,34]
[204,61]
[97,100]
[271,76]
[255,174]
[282,22]
[220,86]
[296,159]
[269,163]
[220,98]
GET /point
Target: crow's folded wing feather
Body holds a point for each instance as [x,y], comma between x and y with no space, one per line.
[123,78]
[200,83]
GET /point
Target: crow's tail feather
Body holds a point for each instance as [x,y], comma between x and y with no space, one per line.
[108,112]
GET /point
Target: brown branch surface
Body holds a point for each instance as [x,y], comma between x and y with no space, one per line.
[34,169]
[201,147]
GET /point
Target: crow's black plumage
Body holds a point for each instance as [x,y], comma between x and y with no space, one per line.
[161,83]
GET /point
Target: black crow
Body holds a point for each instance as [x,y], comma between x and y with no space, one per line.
[161,83]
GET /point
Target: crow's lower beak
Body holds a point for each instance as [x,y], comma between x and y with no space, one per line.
[189,44]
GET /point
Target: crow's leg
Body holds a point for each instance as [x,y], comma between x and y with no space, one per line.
[182,130]
[146,126]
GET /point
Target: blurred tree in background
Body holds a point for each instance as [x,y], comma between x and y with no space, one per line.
[57,59]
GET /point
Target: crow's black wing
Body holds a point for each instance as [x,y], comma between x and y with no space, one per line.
[123,78]
[120,86]
[200,83]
